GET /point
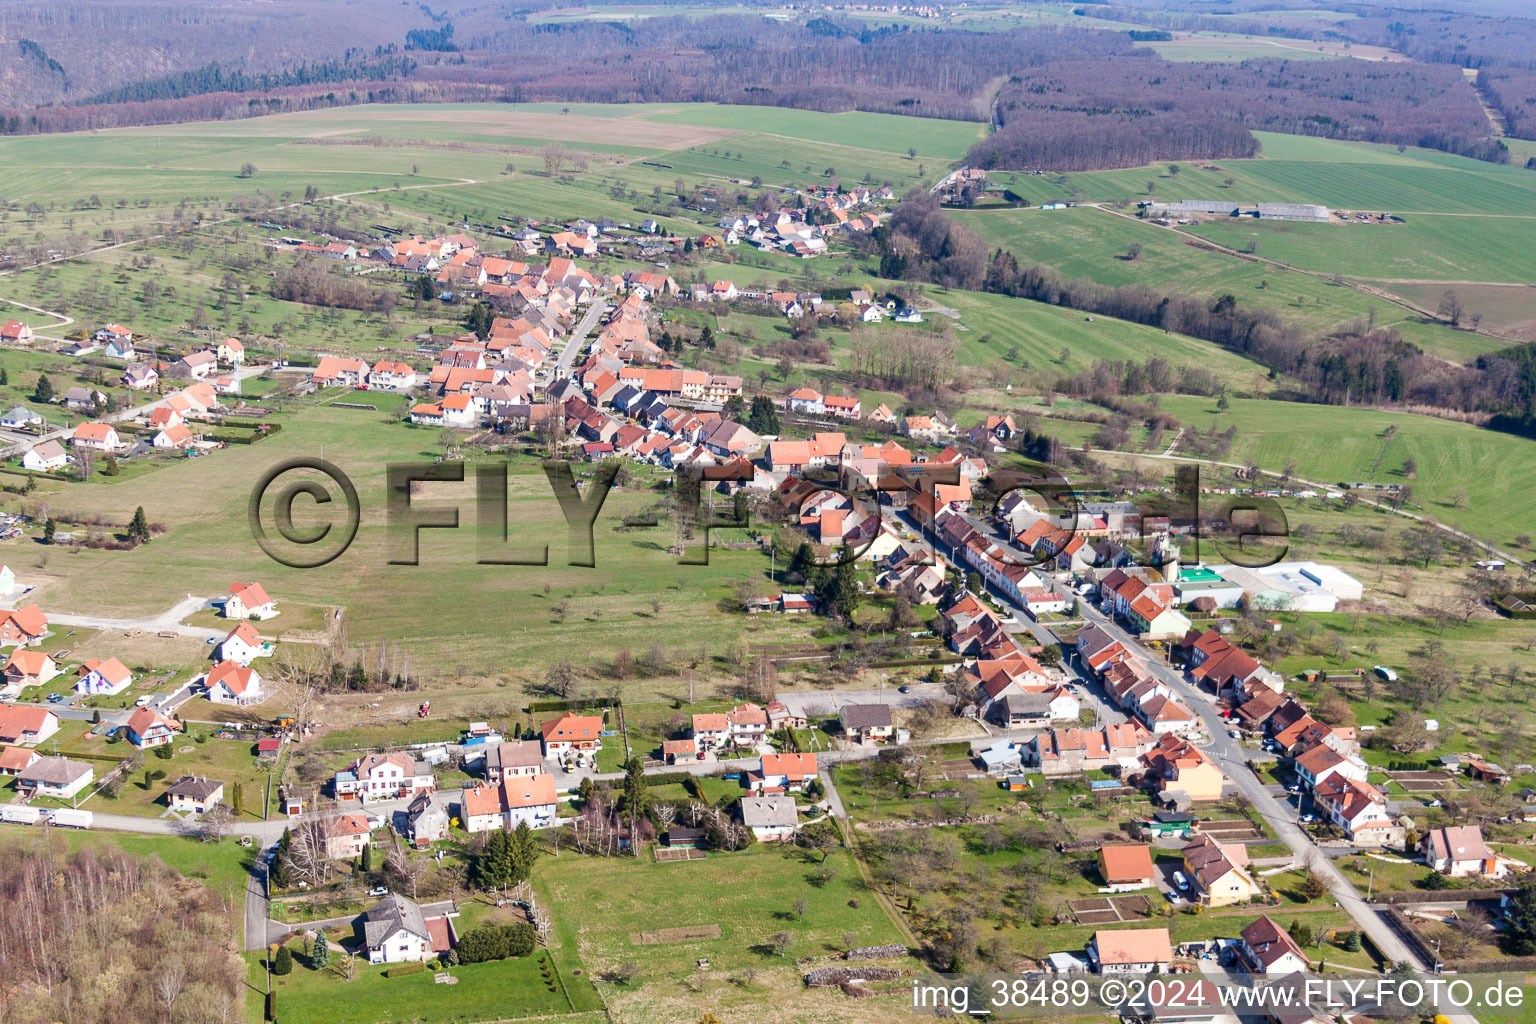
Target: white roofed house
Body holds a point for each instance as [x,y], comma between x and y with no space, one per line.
[770,817]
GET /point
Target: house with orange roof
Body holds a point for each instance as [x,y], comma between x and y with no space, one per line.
[1175,766]
[531,799]
[346,835]
[882,414]
[16,332]
[102,678]
[242,646]
[783,773]
[805,400]
[1126,867]
[684,751]
[1131,951]
[149,728]
[710,731]
[96,436]
[15,760]
[572,732]
[22,726]
[179,436]
[391,375]
[27,667]
[340,371]
[249,601]
[22,627]
[229,683]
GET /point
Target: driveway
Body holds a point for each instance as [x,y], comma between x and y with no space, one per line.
[578,337]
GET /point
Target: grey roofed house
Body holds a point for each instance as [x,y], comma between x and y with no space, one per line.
[20,416]
[769,811]
[425,817]
[516,754]
[391,914]
[82,398]
[53,771]
[194,787]
[865,716]
[1026,705]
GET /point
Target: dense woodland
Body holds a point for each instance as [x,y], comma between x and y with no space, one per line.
[1358,365]
[100,937]
[1512,92]
[1088,114]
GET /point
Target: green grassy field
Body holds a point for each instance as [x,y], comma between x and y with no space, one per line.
[1094,243]
[1331,444]
[1452,248]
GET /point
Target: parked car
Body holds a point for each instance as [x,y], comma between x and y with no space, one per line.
[904,689]
[1179,880]
[378,890]
[1235,733]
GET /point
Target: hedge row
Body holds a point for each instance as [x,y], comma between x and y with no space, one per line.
[401,970]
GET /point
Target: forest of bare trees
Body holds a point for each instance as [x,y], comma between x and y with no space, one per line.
[1093,114]
[101,937]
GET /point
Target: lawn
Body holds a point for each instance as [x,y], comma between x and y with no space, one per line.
[1329,444]
[500,989]
[603,904]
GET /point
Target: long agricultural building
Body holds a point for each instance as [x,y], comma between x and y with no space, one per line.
[1263,211]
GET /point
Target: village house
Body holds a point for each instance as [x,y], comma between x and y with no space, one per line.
[13,760]
[334,371]
[21,418]
[84,399]
[867,723]
[397,930]
[149,728]
[1360,810]
[1218,872]
[518,757]
[346,835]
[1181,771]
[1315,766]
[572,732]
[56,778]
[1130,951]
[29,668]
[178,436]
[425,822]
[1266,948]
[229,682]
[16,332]
[22,726]
[374,777]
[1459,851]
[530,798]
[684,751]
[248,601]
[480,808]
[195,365]
[194,794]
[783,773]
[241,645]
[391,375]
[1068,751]
[231,352]
[1126,868]
[102,678]
[45,457]
[770,818]
[100,437]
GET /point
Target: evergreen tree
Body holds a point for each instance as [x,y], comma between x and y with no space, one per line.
[522,851]
[320,953]
[1520,921]
[109,466]
[424,289]
[706,338]
[283,963]
[49,529]
[279,870]
[637,800]
[138,529]
[5,378]
[236,798]
[44,392]
[764,418]
[366,864]
[839,591]
[586,790]
[804,561]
